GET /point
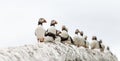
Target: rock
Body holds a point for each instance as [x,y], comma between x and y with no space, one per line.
[53,52]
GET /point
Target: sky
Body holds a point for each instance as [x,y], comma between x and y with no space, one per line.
[18,20]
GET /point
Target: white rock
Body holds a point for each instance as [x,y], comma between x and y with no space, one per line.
[53,52]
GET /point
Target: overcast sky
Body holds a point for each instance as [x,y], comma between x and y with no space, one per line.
[18,20]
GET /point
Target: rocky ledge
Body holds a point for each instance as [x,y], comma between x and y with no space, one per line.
[54,52]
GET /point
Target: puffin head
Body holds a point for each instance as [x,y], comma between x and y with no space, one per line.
[77,31]
[85,37]
[53,22]
[64,28]
[81,33]
[58,32]
[94,38]
[41,21]
[100,41]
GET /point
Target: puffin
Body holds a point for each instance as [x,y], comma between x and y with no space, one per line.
[40,31]
[51,32]
[76,38]
[86,45]
[82,40]
[108,49]
[101,46]
[65,37]
[58,38]
[94,44]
